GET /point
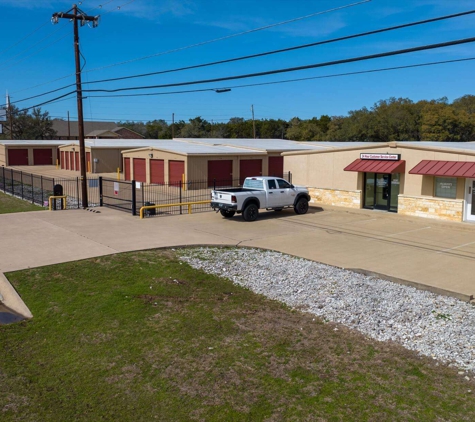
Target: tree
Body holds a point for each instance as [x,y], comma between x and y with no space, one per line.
[196,128]
[37,125]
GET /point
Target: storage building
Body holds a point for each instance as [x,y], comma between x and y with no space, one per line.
[425,179]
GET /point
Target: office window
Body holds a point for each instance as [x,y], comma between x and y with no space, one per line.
[446,187]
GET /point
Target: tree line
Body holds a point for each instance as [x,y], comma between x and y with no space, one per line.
[394,119]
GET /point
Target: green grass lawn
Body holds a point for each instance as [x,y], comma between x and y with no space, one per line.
[143,336]
[9,204]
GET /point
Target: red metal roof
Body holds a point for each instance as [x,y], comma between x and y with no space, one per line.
[377,166]
[445,168]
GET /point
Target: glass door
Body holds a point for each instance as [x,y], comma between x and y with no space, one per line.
[381,191]
[381,197]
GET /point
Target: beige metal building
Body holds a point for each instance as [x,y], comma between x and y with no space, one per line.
[426,179]
[102,155]
[29,153]
[175,161]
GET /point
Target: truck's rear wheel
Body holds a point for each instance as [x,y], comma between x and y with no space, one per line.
[301,207]
[227,213]
[250,212]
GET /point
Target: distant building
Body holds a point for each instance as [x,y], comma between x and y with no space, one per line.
[92,130]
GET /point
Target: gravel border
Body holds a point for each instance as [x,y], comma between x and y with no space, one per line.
[437,326]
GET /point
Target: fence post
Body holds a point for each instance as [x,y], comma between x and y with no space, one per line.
[32,189]
[13,184]
[290,177]
[181,183]
[21,181]
[77,190]
[42,195]
[214,184]
[101,201]
[3,178]
[134,198]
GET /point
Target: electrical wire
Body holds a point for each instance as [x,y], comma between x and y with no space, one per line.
[294,69]
[24,38]
[200,44]
[229,36]
[284,50]
[332,40]
[360,72]
[119,7]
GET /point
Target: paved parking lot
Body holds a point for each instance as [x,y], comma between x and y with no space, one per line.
[437,256]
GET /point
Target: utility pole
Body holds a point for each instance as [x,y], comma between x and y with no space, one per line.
[78,15]
[253,122]
[173,125]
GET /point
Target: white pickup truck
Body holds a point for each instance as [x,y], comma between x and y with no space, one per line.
[270,193]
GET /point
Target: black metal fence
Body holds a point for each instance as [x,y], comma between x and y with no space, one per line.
[128,196]
[37,189]
[131,196]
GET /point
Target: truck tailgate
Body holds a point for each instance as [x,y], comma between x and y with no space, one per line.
[218,196]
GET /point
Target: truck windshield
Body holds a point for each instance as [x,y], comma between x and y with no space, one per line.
[253,184]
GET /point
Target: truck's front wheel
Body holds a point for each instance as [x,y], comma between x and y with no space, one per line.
[301,207]
[227,214]
[250,212]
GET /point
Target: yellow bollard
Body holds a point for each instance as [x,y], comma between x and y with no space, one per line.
[118,173]
[183,182]
[57,164]
[88,166]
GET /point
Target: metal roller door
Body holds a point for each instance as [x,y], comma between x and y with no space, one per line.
[63,161]
[249,168]
[42,157]
[140,172]
[76,158]
[176,170]
[276,166]
[220,171]
[66,155]
[157,172]
[71,159]
[127,168]
[18,157]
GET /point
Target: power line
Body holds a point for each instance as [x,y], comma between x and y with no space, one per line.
[284,50]
[332,40]
[24,38]
[294,69]
[360,72]
[203,43]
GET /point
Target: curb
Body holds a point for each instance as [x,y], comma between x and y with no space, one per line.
[11,299]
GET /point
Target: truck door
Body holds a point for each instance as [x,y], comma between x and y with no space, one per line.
[273,194]
[286,192]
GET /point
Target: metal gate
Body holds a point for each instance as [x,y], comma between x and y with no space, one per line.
[118,194]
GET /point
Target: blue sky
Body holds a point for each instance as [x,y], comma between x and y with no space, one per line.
[44,61]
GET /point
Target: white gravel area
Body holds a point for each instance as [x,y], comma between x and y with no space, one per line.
[437,326]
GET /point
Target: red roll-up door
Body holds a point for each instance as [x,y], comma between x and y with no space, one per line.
[76,159]
[18,157]
[140,172]
[42,157]
[176,170]
[157,172]
[127,168]
[220,171]
[88,162]
[249,168]
[71,159]
[63,161]
[66,155]
[276,166]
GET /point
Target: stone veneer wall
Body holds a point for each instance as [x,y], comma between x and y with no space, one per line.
[428,207]
[341,198]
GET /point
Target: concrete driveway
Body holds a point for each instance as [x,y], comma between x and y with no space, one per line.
[429,254]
